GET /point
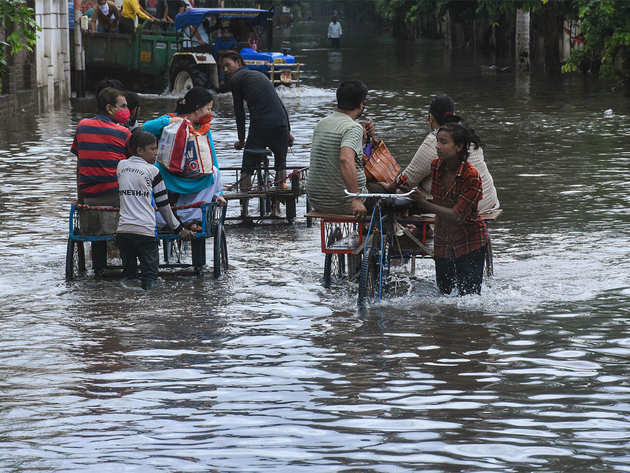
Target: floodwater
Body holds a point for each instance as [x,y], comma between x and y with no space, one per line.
[264,370]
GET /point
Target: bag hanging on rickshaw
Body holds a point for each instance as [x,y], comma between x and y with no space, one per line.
[380,165]
[183,151]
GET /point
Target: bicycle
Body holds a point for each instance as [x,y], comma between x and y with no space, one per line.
[386,238]
[370,248]
[268,188]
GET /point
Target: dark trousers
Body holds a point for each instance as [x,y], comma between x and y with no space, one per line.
[466,272]
[335,43]
[276,139]
[126,26]
[145,248]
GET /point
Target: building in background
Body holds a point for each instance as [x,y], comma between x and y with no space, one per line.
[40,78]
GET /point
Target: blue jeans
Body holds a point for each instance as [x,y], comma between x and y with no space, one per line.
[145,248]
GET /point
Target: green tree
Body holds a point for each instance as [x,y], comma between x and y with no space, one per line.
[605,25]
[18,29]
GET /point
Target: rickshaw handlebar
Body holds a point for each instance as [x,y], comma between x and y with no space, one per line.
[379,196]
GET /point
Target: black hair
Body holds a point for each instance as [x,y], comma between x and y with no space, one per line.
[140,139]
[442,108]
[233,55]
[107,96]
[461,136]
[115,83]
[194,99]
[351,94]
[133,99]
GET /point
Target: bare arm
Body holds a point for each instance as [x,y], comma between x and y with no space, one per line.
[443,212]
[349,176]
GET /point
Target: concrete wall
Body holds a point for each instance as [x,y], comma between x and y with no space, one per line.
[52,60]
[40,79]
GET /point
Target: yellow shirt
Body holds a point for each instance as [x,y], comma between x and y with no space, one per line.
[131,9]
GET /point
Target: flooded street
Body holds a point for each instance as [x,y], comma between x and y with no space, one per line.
[265,370]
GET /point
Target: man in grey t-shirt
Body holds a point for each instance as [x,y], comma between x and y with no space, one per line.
[337,154]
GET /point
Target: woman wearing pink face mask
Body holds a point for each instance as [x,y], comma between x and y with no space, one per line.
[99,144]
[196,108]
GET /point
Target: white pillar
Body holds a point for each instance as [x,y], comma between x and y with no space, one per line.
[52,54]
[522,39]
[64,41]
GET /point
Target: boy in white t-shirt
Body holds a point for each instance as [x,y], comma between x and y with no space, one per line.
[139,183]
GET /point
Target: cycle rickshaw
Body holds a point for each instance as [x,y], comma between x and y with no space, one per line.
[367,250]
[267,188]
[212,226]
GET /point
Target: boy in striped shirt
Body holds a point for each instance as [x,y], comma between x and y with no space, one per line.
[138,182]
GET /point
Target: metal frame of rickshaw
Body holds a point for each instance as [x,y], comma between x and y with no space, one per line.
[212,226]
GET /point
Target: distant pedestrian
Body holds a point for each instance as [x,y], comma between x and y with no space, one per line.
[335,33]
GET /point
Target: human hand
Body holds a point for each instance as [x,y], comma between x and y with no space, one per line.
[389,187]
[186,234]
[239,144]
[291,139]
[221,201]
[419,197]
[358,209]
[368,126]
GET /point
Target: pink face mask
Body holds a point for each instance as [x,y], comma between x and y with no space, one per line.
[122,116]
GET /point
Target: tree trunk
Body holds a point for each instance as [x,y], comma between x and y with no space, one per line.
[552,28]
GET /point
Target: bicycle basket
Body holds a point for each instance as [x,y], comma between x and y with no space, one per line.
[341,236]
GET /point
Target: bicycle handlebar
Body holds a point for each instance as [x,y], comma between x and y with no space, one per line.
[379,196]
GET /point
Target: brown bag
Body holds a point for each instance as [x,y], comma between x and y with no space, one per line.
[381,166]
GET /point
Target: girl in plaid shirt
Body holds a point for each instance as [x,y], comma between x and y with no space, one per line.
[461,236]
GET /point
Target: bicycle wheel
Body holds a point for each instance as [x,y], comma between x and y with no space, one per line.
[220,252]
[368,281]
[75,259]
[354,266]
[334,268]
[375,273]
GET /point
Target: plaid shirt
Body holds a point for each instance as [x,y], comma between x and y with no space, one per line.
[453,239]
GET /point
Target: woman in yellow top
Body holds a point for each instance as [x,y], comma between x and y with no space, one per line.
[131,10]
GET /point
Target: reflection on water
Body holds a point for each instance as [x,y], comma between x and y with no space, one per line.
[266,370]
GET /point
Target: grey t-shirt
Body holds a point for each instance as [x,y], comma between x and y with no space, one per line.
[325,186]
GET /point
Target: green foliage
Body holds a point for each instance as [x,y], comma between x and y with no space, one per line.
[19,27]
[606,28]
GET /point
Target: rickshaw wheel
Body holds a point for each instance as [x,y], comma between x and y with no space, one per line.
[220,252]
[75,259]
[368,282]
[334,268]
[309,220]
